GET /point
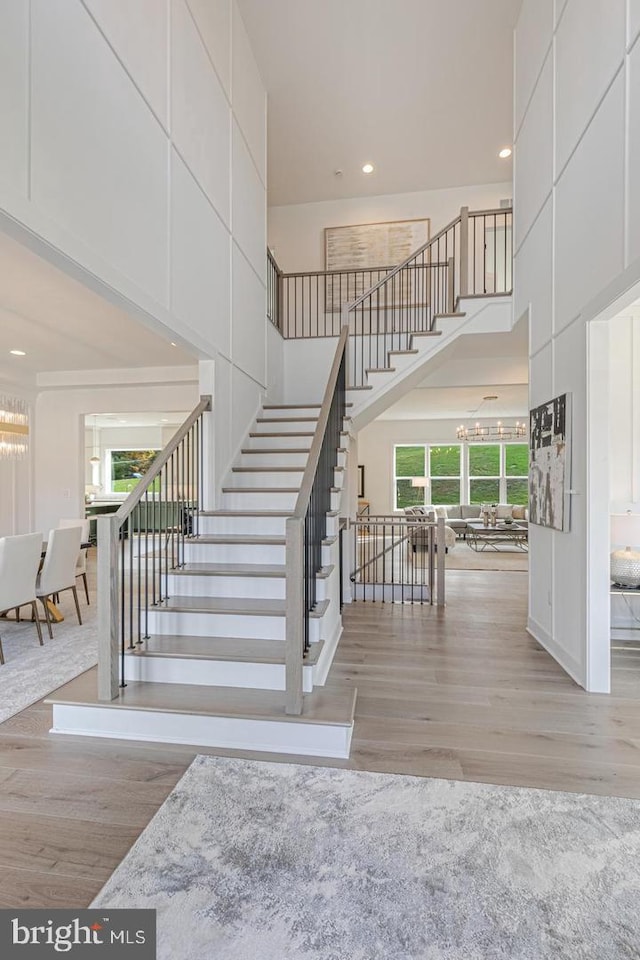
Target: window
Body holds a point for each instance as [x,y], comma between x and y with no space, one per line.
[126,467]
[409,462]
[444,470]
[484,473]
[516,469]
[439,465]
[498,473]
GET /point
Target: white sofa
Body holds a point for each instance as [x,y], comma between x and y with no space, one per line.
[456,515]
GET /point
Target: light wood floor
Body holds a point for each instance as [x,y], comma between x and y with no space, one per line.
[463,693]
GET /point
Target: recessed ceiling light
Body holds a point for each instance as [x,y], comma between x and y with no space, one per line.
[164,420]
[504,153]
[173,344]
[368,168]
[18,353]
[492,396]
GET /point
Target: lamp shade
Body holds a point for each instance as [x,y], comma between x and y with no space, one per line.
[625,563]
[419,482]
[625,529]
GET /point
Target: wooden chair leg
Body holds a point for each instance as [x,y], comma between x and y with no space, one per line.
[1,653]
[34,610]
[47,616]
[86,588]
[75,597]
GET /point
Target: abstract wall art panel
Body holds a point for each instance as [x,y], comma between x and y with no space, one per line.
[550,463]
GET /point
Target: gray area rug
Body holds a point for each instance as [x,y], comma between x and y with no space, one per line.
[30,671]
[462,557]
[260,861]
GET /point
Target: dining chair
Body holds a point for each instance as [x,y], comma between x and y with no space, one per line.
[81,564]
[58,571]
[19,562]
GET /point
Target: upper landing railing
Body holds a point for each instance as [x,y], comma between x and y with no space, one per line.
[471,257]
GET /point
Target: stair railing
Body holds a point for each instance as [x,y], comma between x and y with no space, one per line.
[387,306]
[140,544]
[306,529]
[274,291]
[471,256]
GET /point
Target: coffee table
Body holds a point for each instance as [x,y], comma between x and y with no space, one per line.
[481,538]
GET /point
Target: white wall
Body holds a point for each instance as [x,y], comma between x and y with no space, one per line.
[59,450]
[296,231]
[134,143]
[577,229]
[375,452]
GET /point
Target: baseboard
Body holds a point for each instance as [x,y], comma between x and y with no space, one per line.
[568,663]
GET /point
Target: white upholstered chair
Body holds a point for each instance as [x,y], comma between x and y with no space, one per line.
[19,562]
[81,564]
[59,568]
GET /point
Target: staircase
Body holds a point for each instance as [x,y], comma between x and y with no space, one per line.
[211,668]
[218,627]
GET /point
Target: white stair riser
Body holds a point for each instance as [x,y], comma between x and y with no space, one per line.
[200,586]
[265,478]
[188,624]
[333,525]
[285,426]
[287,413]
[282,442]
[234,553]
[192,624]
[262,588]
[213,673]
[239,500]
[308,739]
[266,459]
[245,526]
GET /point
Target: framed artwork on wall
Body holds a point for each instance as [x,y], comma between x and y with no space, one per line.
[365,247]
[550,464]
[360,481]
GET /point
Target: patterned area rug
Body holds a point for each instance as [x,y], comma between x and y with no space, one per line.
[30,671]
[462,557]
[261,861]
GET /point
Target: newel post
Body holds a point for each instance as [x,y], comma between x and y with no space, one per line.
[294,560]
[108,608]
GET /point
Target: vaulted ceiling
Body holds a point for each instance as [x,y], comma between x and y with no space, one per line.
[420,88]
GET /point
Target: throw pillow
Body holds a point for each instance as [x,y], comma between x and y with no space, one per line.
[505,511]
[518,513]
[441,513]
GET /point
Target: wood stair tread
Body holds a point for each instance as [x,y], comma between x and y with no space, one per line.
[267,469]
[281,433]
[380,370]
[231,570]
[267,539]
[235,649]
[333,704]
[244,513]
[278,450]
[287,420]
[243,606]
[261,489]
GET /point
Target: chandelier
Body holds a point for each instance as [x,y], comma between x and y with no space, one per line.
[494,432]
[14,428]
